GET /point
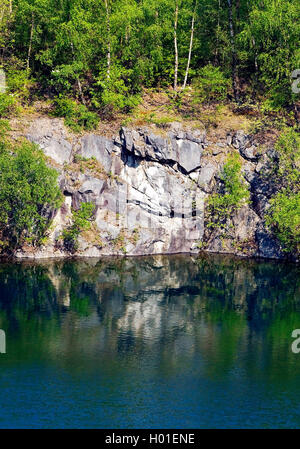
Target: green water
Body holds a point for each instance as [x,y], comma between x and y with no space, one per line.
[168,341]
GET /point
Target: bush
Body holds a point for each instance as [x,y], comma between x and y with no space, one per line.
[7,105]
[28,194]
[81,222]
[17,90]
[64,76]
[211,85]
[19,83]
[233,195]
[4,127]
[77,116]
[283,219]
[115,92]
[288,150]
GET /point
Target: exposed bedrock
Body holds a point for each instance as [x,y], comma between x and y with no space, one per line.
[149,188]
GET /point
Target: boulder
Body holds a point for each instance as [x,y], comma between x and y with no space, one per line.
[250,153]
[239,140]
[98,147]
[206,176]
[52,138]
[188,154]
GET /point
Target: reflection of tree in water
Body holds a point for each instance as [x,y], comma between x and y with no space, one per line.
[170,308]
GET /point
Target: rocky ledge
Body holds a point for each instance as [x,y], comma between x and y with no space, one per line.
[149,187]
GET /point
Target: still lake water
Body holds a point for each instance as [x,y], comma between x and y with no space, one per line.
[165,342]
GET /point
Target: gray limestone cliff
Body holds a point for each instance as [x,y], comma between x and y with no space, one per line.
[149,187]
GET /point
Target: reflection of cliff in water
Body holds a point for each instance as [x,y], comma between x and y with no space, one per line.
[165,308]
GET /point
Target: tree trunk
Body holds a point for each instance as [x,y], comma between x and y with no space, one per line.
[78,79]
[255,57]
[30,42]
[218,30]
[175,46]
[108,39]
[233,52]
[80,91]
[238,13]
[190,49]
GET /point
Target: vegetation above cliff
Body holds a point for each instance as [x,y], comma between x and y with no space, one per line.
[104,53]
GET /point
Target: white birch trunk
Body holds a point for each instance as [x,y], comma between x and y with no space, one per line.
[176,47]
[190,49]
[30,42]
[108,39]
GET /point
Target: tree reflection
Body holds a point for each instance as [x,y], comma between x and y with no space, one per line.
[168,311]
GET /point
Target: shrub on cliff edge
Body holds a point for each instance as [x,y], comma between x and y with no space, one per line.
[283,217]
[28,194]
[232,195]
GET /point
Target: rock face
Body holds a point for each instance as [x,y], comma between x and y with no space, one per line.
[182,148]
[97,147]
[52,138]
[149,189]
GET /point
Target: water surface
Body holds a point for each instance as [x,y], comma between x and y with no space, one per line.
[167,342]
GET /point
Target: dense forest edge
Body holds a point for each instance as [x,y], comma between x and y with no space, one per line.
[218,65]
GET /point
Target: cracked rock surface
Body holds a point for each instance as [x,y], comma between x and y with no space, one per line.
[149,189]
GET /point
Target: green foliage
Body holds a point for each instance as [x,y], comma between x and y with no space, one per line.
[270,39]
[211,84]
[284,219]
[77,116]
[82,219]
[68,47]
[17,91]
[18,82]
[288,168]
[161,121]
[5,19]
[7,105]
[65,76]
[28,194]
[233,193]
[4,127]
[115,92]
[79,304]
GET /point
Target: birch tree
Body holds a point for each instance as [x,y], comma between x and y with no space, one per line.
[190,47]
[30,41]
[176,46]
[107,10]
[233,51]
